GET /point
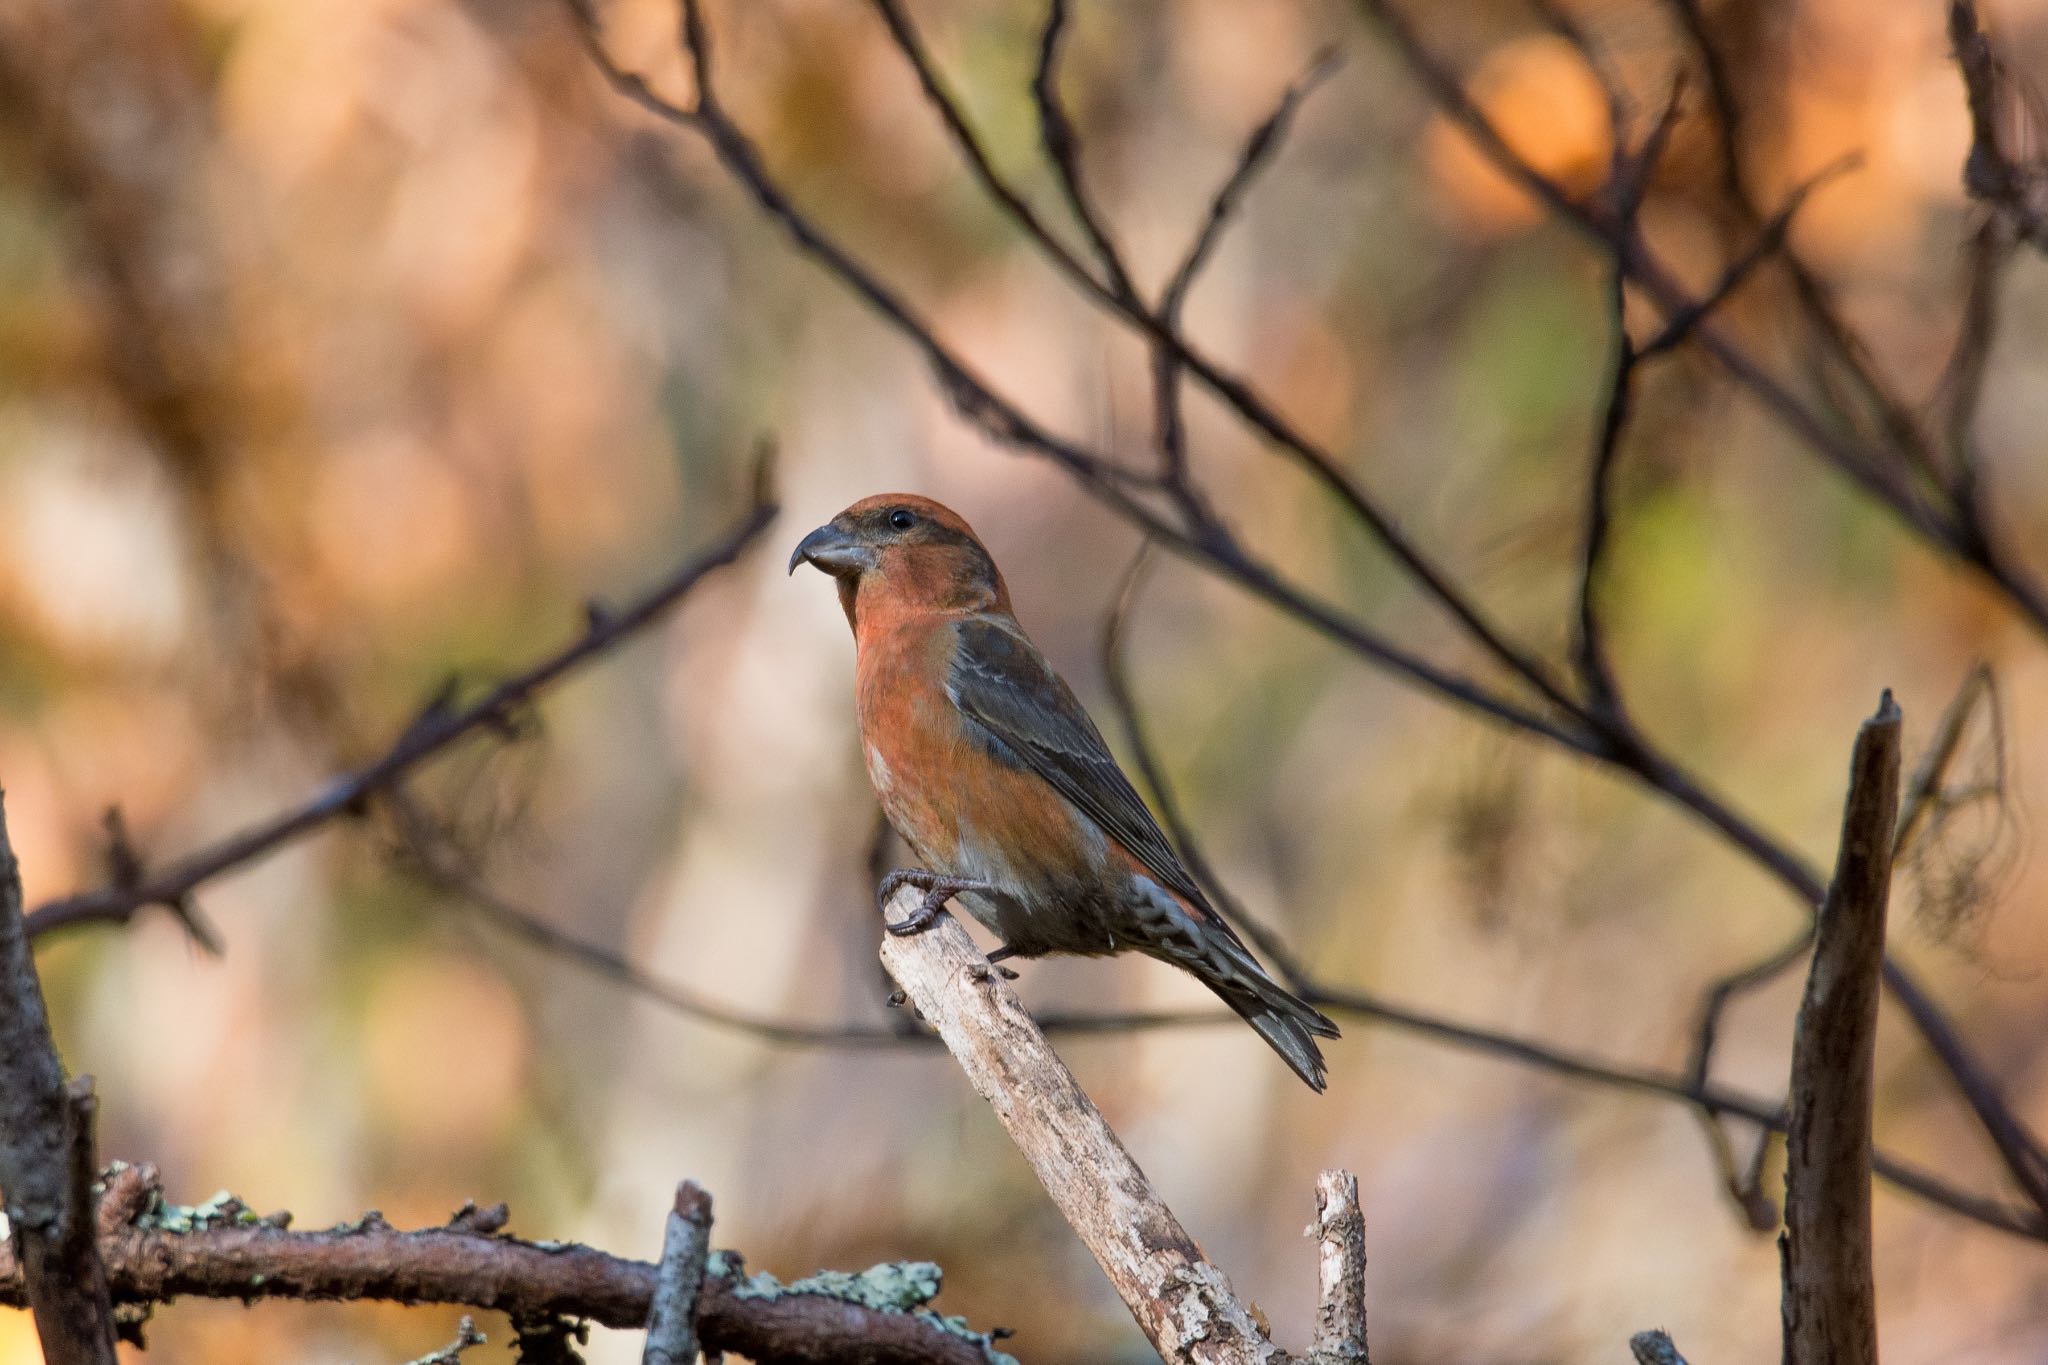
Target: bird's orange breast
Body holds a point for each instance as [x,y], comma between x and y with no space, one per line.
[963,810]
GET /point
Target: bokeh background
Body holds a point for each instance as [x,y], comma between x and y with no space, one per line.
[348,345]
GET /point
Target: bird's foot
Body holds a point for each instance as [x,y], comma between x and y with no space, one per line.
[997,956]
[937,890]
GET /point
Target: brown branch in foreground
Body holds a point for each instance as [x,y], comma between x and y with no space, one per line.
[45,1155]
[1830,1297]
[1183,1304]
[155,1252]
[440,725]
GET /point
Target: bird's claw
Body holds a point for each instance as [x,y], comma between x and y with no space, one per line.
[938,889]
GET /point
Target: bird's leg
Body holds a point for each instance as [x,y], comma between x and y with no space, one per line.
[997,956]
[938,889]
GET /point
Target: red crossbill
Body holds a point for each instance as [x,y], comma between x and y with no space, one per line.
[995,777]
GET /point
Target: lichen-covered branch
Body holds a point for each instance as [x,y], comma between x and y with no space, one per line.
[155,1251]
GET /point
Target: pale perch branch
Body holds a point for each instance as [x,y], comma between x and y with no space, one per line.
[1830,1302]
[1183,1304]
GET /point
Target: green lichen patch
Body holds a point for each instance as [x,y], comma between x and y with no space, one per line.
[891,1287]
[223,1210]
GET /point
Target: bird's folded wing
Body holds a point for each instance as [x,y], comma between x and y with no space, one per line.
[1004,686]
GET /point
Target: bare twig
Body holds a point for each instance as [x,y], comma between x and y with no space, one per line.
[1339,1231]
[1769,239]
[1589,651]
[466,1336]
[2012,179]
[1259,150]
[1830,1300]
[1063,150]
[1183,1304]
[1116,674]
[1159,329]
[46,1155]
[439,726]
[672,1320]
[1961,391]
[1654,1348]
[1003,422]
[221,1250]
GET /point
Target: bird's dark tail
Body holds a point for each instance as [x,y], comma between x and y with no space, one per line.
[1289,1025]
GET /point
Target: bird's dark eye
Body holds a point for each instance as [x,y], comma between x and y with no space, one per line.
[903,519]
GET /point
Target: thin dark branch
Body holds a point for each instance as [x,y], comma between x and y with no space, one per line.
[1589,651]
[438,727]
[911,45]
[1961,391]
[2011,180]
[2020,1151]
[1234,391]
[1362,1004]
[1924,788]
[1830,1295]
[1116,674]
[1621,746]
[1869,469]
[45,1155]
[1001,421]
[428,854]
[1815,301]
[1063,149]
[1768,240]
[1258,152]
[1922,792]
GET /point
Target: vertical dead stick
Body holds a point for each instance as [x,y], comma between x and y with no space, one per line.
[41,1131]
[1339,1231]
[1183,1304]
[1830,1302]
[672,1316]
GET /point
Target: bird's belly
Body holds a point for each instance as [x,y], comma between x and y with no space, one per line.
[976,818]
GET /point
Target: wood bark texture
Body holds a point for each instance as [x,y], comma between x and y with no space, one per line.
[1830,1299]
[1183,1304]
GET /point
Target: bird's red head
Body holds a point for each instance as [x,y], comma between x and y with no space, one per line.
[897,555]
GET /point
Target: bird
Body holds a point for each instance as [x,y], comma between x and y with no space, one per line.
[990,770]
